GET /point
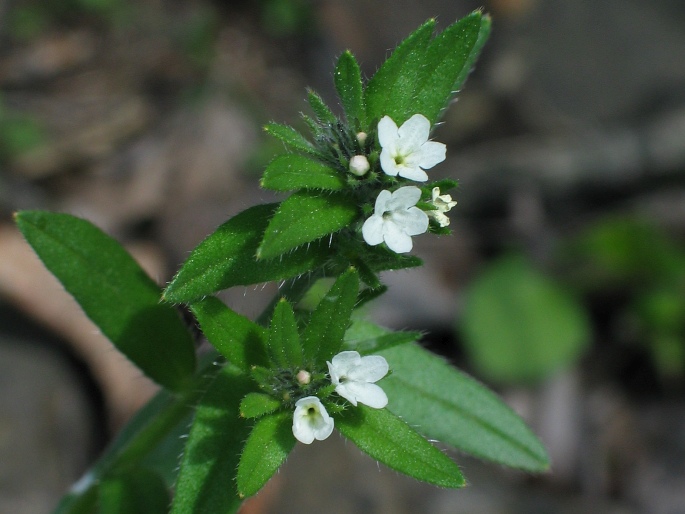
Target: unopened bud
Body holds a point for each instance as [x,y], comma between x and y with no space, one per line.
[361,137]
[303,377]
[359,165]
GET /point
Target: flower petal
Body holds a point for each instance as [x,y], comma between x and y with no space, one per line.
[415,131]
[382,202]
[415,173]
[372,230]
[368,394]
[371,368]
[431,153]
[388,164]
[403,198]
[387,133]
[395,237]
[413,221]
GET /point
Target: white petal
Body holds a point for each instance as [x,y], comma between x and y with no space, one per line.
[404,197]
[396,239]
[431,153]
[413,221]
[387,133]
[308,426]
[368,394]
[346,391]
[372,230]
[345,361]
[415,130]
[370,368]
[415,173]
[382,202]
[388,164]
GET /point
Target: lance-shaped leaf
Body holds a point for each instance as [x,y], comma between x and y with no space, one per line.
[284,340]
[422,75]
[255,405]
[453,408]
[115,293]
[388,439]
[227,258]
[321,110]
[305,217]
[348,83]
[236,337]
[366,337]
[322,337]
[291,171]
[206,482]
[269,444]
[292,138]
[134,491]
[390,90]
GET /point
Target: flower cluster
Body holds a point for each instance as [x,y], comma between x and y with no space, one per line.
[354,379]
[407,153]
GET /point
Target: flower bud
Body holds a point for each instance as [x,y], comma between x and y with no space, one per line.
[361,137]
[303,377]
[359,165]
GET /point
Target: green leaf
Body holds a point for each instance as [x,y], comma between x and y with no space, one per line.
[292,138]
[227,258]
[390,90]
[269,444]
[422,75]
[448,61]
[321,110]
[366,337]
[284,340]
[237,338]
[348,83]
[322,337]
[453,408]
[134,491]
[206,482]
[115,293]
[255,405]
[305,217]
[291,171]
[519,325]
[388,439]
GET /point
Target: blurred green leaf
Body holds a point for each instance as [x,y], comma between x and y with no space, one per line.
[206,482]
[305,217]
[393,442]
[115,293]
[134,491]
[348,83]
[237,338]
[269,444]
[323,335]
[366,337]
[454,409]
[227,258]
[291,171]
[519,325]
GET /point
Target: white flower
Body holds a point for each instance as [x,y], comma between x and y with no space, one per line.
[311,420]
[359,165]
[396,218]
[443,204]
[353,377]
[407,151]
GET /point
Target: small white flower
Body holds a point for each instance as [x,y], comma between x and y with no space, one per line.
[396,218]
[443,204]
[353,377]
[311,420]
[359,165]
[406,151]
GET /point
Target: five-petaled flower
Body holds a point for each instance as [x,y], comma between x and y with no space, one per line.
[406,151]
[396,218]
[311,420]
[443,204]
[353,377]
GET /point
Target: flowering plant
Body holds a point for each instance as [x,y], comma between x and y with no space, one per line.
[359,193]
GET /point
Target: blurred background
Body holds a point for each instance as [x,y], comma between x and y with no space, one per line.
[562,287]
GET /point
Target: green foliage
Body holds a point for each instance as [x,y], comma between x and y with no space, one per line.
[255,405]
[303,218]
[291,138]
[519,325]
[134,491]
[393,442]
[453,408]
[291,171]
[227,258]
[269,444]
[19,134]
[367,337]
[350,88]
[284,341]
[115,293]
